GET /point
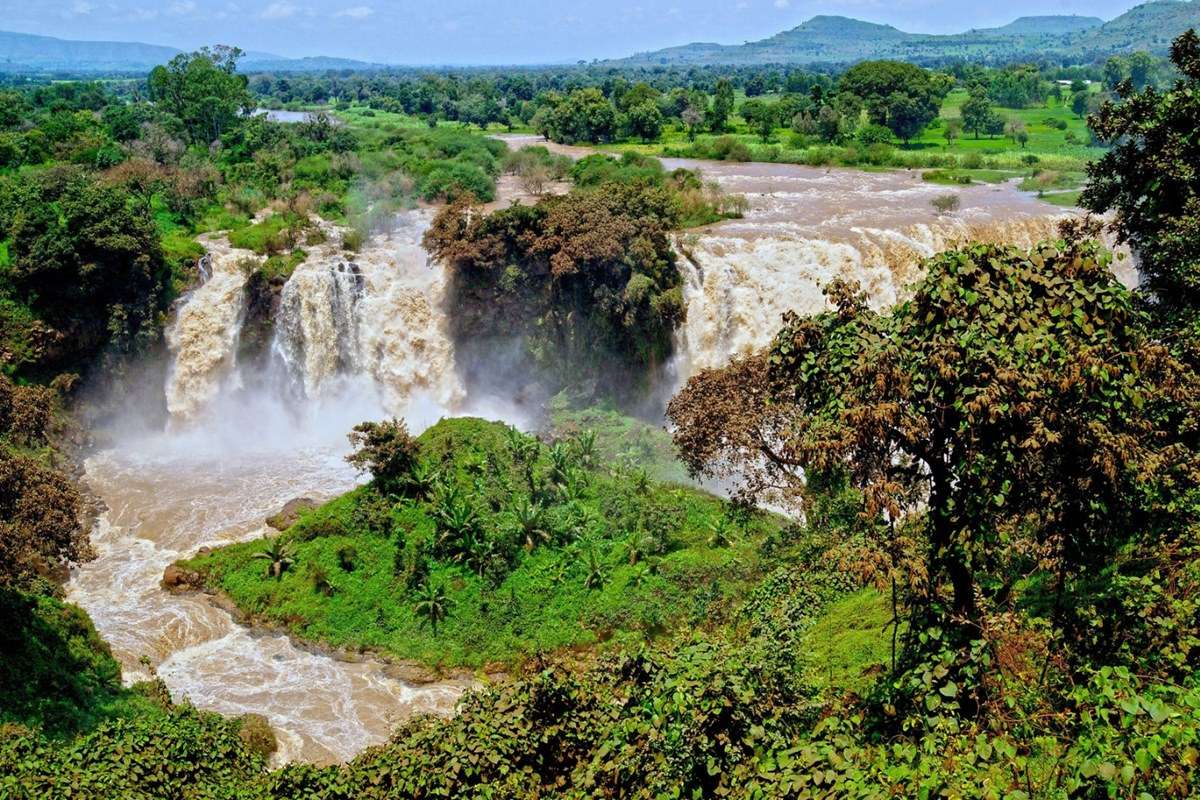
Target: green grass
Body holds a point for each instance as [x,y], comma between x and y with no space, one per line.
[540,602]
[621,439]
[851,639]
[261,237]
[1063,199]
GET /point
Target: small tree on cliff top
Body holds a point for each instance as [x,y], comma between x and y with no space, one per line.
[387,451]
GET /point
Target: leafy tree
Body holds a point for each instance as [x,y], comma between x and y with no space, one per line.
[901,96]
[1141,64]
[829,124]
[693,118]
[760,115]
[722,107]
[1079,104]
[906,117]
[387,451]
[644,121]
[1115,71]
[976,111]
[976,401]
[584,115]
[1148,178]
[952,130]
[204,90]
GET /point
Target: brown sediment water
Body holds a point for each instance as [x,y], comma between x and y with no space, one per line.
[806,226]
[364,336]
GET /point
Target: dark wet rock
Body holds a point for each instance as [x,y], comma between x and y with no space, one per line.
[290,513]
[176,579]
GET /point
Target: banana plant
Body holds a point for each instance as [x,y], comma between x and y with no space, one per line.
[279,555]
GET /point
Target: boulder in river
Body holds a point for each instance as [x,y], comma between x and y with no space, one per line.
[175,578]
[290,513]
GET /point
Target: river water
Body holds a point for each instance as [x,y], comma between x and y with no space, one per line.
[366,337]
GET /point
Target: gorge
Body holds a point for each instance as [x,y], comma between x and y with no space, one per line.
[365,335]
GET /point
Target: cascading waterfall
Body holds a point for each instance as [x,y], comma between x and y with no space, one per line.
[375,318]
[204,335]
[737,289]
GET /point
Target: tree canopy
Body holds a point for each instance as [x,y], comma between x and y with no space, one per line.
[1149,179]
[204,90]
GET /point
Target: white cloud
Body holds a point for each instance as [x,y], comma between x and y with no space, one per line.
[182,7]
[782,3]
[82,7]
[356,12]
[280,10]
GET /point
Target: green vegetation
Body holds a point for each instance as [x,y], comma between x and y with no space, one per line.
[587,281]
[487,546]
[993,589]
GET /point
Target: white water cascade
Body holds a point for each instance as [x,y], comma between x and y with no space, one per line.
[204,335]
[376,316]
[807,227]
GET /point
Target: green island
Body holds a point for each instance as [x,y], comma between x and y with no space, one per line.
[494,548]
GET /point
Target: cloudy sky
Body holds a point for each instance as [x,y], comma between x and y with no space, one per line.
[490,31]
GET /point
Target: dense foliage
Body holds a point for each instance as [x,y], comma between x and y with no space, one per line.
[1149,179]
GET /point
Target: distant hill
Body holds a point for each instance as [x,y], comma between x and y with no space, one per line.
[23,52]
[832,40]
[1035,26]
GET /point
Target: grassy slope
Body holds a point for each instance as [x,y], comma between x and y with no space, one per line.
[542,604]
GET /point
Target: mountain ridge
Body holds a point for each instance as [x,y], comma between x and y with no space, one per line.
[30,52]
[834,40]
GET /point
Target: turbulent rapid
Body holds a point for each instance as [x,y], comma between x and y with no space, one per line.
[365,336]
[807,227]
[355,338]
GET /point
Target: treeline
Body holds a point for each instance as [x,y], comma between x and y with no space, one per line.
[600,104]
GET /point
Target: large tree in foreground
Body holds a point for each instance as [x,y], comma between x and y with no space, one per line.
[1013,405]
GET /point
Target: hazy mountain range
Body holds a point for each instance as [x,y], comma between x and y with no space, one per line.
[823,40]
[841,40]
[23,52]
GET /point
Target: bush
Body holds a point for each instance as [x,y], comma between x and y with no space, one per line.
[386,450]
[728,148]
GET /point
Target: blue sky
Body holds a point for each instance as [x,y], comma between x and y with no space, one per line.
[479,31]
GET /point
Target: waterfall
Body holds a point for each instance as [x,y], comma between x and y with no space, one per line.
[203,337]
[736,288]
[316,329]
[377,318]
[371,324]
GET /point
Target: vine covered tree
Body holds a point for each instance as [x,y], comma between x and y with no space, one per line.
[1149,179]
